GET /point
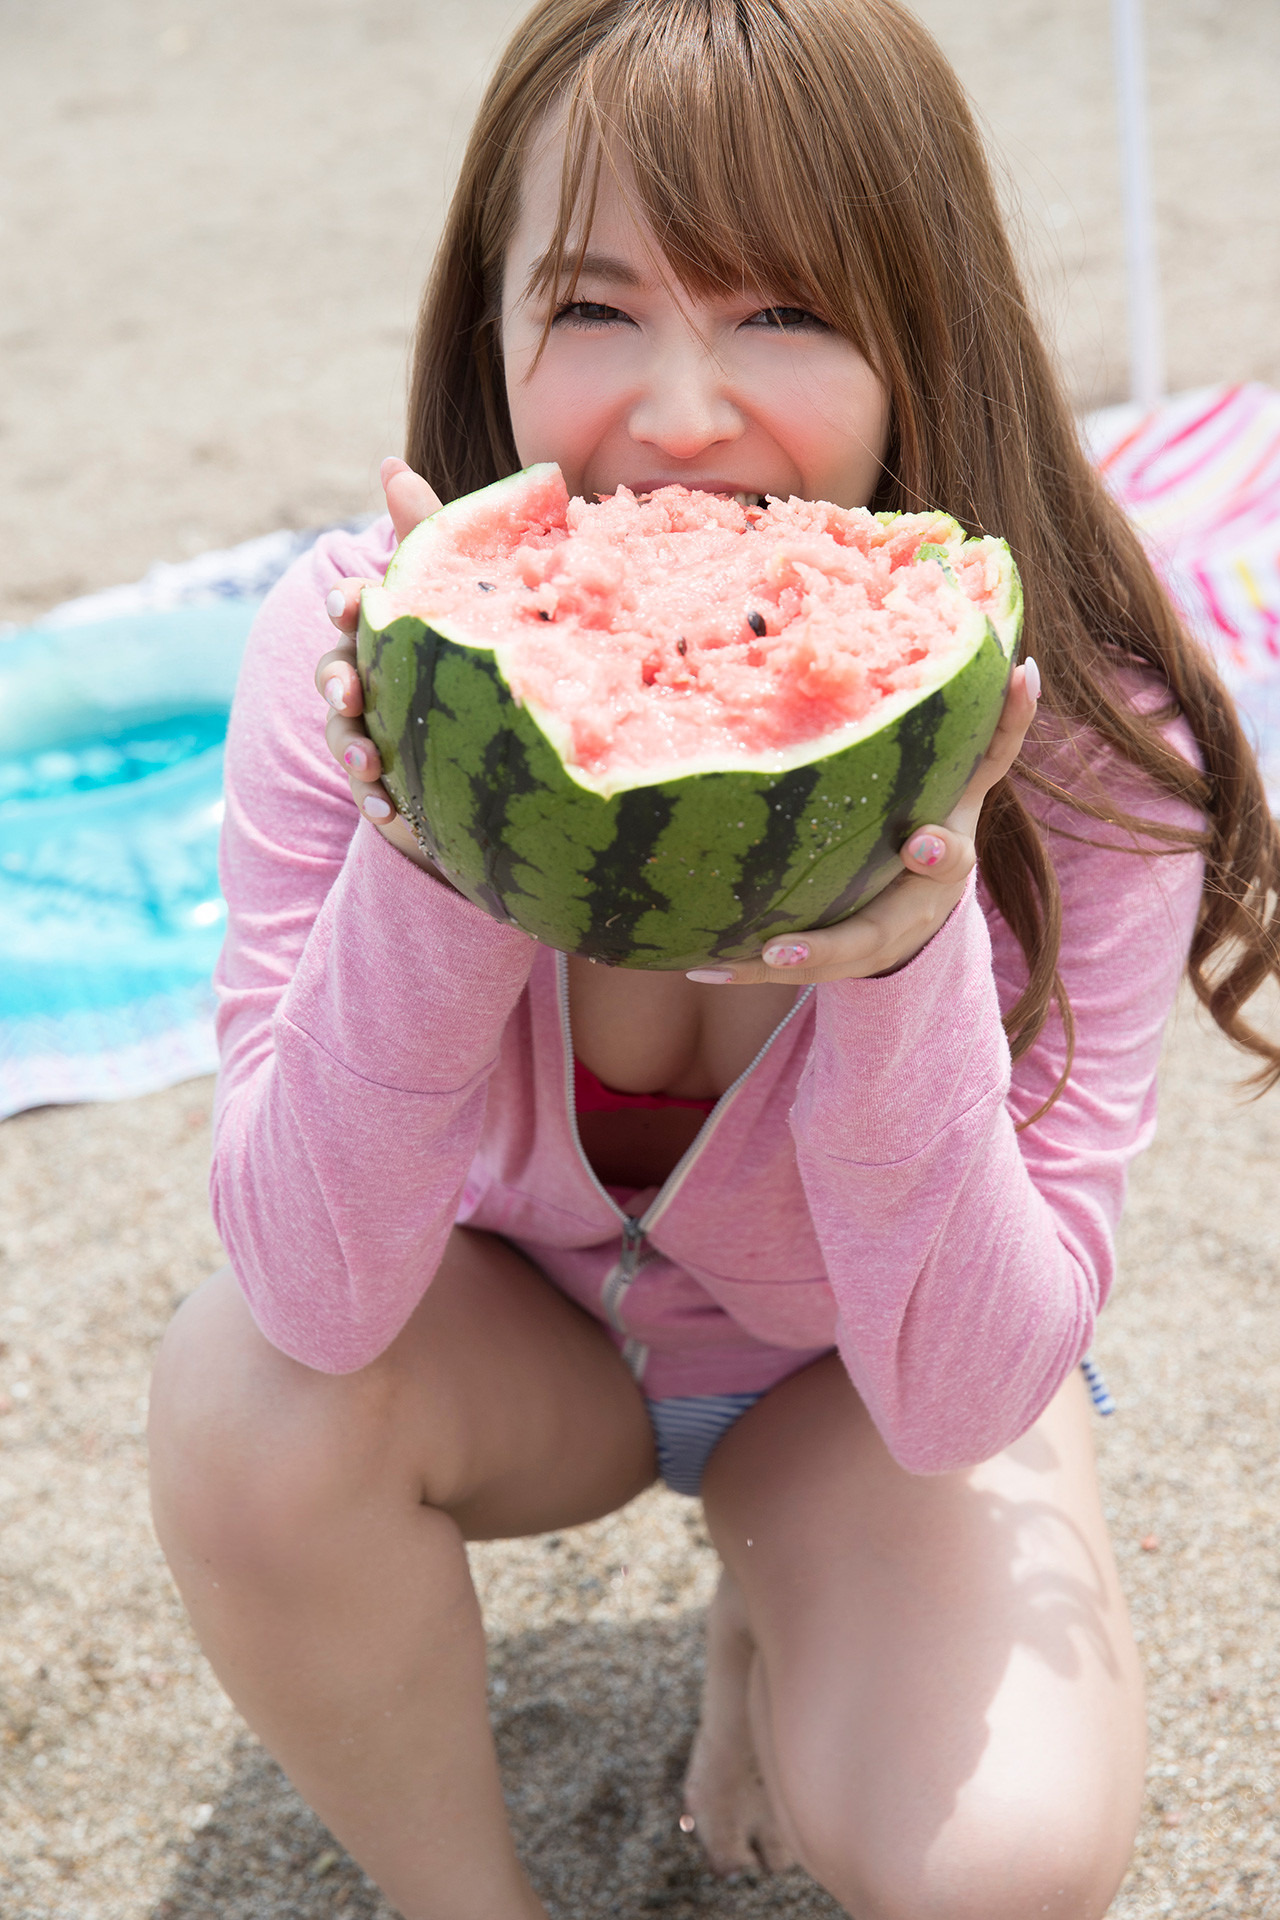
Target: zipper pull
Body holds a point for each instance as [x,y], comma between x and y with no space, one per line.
[632,1241]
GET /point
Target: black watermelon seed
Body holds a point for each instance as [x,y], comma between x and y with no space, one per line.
[486,586]
[756,622]
[543,614]
[682,645]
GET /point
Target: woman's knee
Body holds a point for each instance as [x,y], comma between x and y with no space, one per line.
[250,1450]
[982,1864]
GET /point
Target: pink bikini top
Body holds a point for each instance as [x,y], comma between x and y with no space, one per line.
[592,1095]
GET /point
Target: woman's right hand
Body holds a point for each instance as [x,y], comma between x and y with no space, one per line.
[409,500]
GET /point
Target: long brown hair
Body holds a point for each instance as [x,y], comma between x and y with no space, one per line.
[823,150]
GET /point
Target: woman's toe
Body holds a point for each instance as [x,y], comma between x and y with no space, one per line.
[733,1820]
[770,1845]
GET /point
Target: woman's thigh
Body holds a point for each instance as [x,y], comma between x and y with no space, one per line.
[946,1696]
[500,1402]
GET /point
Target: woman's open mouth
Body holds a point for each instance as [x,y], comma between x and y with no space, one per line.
[745,497]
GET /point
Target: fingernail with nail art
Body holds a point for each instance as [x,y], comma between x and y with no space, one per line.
[928,849]
[335,691]
[376,808]
[1031,678]
[335,602]
[709,977]
[793,954]
[357,758]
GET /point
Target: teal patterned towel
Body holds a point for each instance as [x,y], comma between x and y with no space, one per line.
[112,716]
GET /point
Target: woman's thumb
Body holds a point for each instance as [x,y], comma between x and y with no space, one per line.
[409,498]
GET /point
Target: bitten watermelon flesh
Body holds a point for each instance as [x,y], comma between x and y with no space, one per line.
[659,731]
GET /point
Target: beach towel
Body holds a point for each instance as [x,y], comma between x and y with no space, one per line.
[113,708]
[1200,478]
[112,716]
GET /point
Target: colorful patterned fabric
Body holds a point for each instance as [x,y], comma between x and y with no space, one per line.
[1200,477]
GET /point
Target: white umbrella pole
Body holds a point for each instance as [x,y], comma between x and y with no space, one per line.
[1142,270]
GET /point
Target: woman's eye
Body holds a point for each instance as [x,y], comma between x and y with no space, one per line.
[786,319]
[588,313]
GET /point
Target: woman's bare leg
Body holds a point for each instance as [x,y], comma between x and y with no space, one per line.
[943,1690]
[315,1524]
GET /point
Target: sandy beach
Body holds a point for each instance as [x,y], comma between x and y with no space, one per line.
[222,216]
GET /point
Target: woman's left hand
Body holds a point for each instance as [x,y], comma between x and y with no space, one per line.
[904,918]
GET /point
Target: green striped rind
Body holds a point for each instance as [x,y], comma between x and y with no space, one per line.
[664,876]
[699,867]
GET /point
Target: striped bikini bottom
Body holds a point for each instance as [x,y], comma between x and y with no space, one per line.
[686,1429]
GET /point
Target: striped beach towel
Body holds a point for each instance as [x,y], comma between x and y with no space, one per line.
[1200,478]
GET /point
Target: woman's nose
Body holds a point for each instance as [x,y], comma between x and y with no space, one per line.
[685,407]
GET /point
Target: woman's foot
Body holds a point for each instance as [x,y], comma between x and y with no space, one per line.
[724,1790]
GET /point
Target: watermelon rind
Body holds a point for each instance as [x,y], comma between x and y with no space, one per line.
[691,864]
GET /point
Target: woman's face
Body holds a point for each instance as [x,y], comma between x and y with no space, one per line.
[640,385]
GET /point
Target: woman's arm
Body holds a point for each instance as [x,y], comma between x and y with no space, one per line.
[362,1004]
[969,1260]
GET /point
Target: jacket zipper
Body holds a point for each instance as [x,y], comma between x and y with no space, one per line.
[635,1227]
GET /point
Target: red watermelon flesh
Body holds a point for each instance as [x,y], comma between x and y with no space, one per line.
[682,629]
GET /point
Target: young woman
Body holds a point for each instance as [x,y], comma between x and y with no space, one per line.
[748,246]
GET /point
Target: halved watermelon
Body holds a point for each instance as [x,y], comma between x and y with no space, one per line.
[658,731]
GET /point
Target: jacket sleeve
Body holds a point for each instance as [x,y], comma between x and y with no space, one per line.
[361,1007]
[969,1259]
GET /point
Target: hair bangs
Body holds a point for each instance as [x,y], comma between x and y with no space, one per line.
[700,114]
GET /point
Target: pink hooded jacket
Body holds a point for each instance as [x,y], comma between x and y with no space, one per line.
[395,1061]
